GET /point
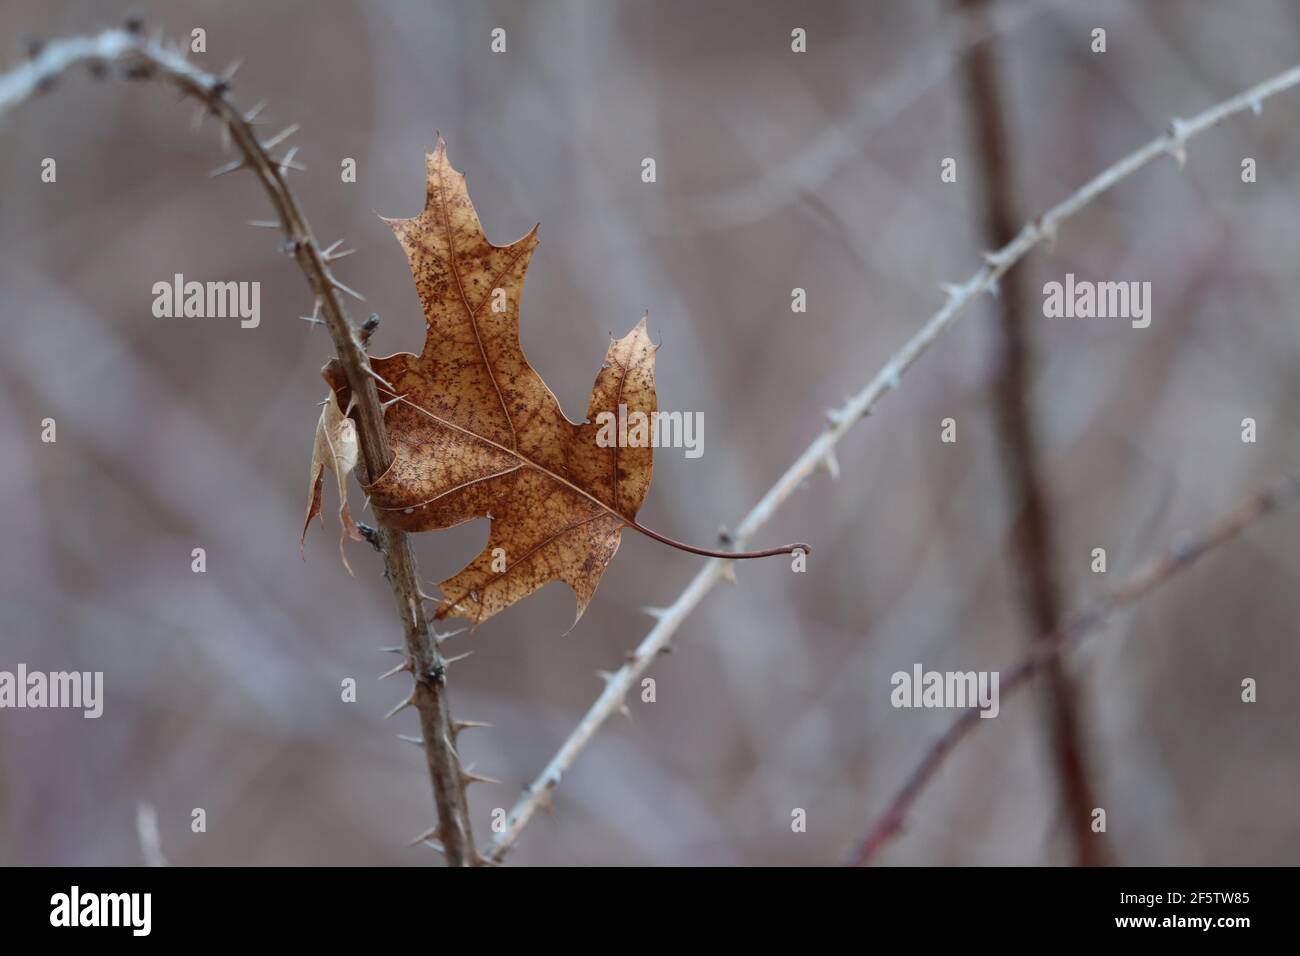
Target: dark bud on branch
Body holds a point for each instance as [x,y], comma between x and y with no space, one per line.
[368,328]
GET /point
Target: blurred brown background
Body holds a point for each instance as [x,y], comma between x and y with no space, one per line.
[775,171]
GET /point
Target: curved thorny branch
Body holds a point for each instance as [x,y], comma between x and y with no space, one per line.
[139,58]
[821,453]
[1049,648]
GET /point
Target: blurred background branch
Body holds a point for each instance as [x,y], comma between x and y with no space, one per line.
[1049,647]
[1029,501]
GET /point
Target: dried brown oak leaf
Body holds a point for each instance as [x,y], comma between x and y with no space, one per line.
[476,433]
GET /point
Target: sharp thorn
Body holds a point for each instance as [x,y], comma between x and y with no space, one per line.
[379,378]
[439,638]
[352,292]
[400,707]
[251,116]
[418,741]
[229,73]
[831,464]
[336,256]
[432,833]
[459,725]
[287,162]
[265,223]
[280,137]
[448,661]
[230,167]
[404,666]
[392,401]
[394,649]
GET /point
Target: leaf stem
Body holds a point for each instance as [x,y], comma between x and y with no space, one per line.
[560,479]
[728,555]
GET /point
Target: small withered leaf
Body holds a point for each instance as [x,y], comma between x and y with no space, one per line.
[476,433]
[336,449]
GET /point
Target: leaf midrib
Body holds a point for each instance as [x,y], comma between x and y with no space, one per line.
[514,453]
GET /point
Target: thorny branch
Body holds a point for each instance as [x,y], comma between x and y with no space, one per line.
[821,453]
[1048,649]
[1026,487]
[139,58]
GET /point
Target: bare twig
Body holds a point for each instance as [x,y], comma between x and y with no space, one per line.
[139,58]
[821,453]
[1025,485]
[1048,650]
